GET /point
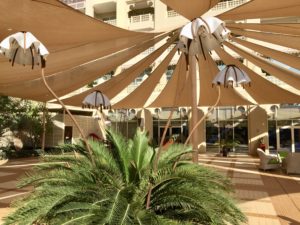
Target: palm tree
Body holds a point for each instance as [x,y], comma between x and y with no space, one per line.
[69,190]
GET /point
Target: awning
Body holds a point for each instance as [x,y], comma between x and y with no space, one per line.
[83,49]
[73,39]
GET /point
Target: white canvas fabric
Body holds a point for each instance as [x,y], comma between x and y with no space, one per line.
[74,45]
[192,8]
[210,30]
[96,100]
[231,76]
[84,49]
[23,48]
[263,9]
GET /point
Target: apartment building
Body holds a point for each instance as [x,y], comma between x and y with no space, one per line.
[239,123]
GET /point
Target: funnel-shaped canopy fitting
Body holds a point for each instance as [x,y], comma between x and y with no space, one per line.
[23,48]
[231,75]
[202,33]
[96,100]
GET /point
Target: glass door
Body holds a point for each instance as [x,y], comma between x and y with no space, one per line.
[168,134]
[68,135]
[296,135]
[289,138]
[285,135]
[176,133]
[241,136]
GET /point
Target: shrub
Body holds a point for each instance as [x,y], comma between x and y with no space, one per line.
[113,188]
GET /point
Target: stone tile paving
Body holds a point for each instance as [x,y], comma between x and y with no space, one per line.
[10,173]
[267,198]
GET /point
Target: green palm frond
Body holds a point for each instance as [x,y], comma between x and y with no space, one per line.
[141,155]
[120,153]
[174,152]
[113,191]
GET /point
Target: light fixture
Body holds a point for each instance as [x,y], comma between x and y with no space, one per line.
[96,100]
[202,34]
[231,76]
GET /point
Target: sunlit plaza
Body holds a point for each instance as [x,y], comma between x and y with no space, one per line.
[220,77]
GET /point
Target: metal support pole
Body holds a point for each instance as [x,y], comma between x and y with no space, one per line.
[44,129]
[64,128]
[193,74]
[71,116]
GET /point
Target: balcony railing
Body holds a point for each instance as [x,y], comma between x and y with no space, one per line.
[148,51]
[143,21]
[111,22]
[173,13]
[228,4]
[219,6]
[141,18]
[76,4]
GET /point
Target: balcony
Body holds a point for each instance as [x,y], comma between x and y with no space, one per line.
[222,6]
[142,22]
[172,13]
[111,22]
[228,5]
[148,51]
[76,4]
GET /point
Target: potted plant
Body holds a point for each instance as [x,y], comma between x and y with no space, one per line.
[228,145]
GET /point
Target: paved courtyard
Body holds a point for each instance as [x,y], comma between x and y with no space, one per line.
[267,198]
[9,175]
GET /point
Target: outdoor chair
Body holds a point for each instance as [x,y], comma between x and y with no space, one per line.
[268,162]
[291,164]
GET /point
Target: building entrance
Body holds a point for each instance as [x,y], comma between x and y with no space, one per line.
[178,129]
[68,135]
[231,133]
[175,132]
[227,126]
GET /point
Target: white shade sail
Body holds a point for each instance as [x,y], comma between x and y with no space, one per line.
[229,96]
[84,49]
[73,43]
[191,9]
[146,88]
[286,58]
[263,9]
[261,89]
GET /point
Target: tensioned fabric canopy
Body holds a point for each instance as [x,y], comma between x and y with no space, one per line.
[191,9]
[74,41]
[83,49]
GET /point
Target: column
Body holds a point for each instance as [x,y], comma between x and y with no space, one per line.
[200,138]
[89,7]
[146,121]
[122,14]
[160,15]
[201,133]
[257,128]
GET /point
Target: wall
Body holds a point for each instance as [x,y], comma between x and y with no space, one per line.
[87,124]
[56,136]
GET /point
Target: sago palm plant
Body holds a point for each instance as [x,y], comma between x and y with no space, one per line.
[114,189]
